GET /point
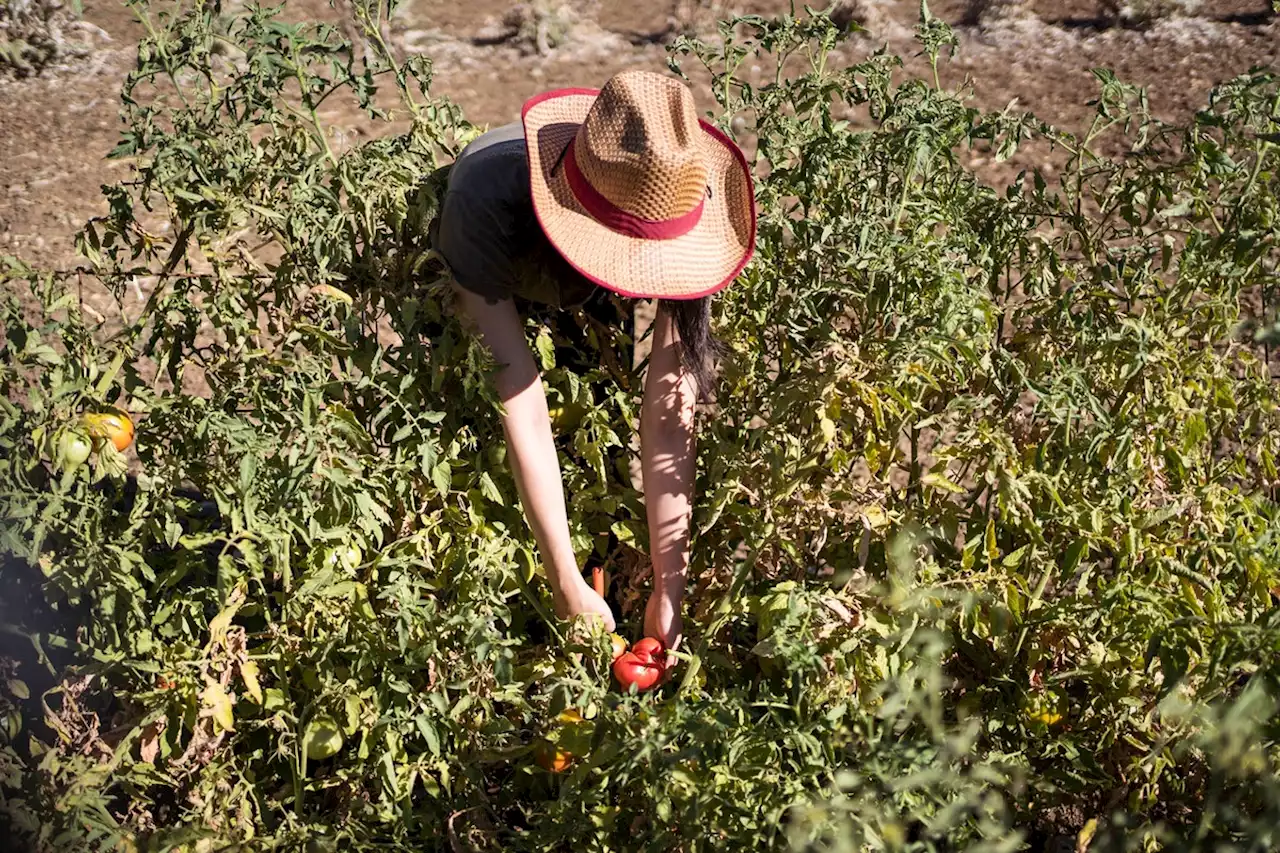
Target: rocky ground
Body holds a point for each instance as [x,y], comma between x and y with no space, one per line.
[56,127]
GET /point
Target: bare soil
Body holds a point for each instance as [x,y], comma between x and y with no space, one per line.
[56,129]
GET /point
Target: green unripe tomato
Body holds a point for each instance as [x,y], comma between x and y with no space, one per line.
[498,455]
[352,556]
[347,556]
[322,740]
[73,449]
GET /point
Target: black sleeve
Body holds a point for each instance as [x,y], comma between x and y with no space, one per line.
[475,241]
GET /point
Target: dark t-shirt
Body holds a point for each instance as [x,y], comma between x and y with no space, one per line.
[489,234]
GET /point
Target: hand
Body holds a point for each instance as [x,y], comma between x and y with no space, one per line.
[579,599]
[663,622]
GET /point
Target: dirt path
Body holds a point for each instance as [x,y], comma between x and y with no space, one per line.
[56,129]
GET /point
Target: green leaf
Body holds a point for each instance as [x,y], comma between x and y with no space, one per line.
[249,674]
[1014,559]
[442,477]
[1073,555]
[490,489]
[428,731]
[627,532]
[941,483]
[546,349]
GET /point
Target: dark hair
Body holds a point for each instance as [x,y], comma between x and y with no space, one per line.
[697,347]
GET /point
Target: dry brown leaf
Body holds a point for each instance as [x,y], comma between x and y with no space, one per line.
[149,745]
[838,607]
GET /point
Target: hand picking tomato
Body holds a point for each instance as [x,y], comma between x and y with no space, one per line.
[113,426]
[643,666]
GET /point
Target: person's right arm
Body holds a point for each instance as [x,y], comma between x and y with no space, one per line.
[531,452]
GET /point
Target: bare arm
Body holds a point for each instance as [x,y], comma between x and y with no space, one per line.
[532,452]
[668,458]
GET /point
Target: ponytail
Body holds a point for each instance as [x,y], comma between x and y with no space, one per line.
[697,347]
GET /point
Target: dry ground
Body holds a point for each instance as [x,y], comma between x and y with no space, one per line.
[55,129]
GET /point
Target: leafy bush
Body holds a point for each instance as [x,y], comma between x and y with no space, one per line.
[986,545]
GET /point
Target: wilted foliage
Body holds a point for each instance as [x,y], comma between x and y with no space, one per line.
[986,532]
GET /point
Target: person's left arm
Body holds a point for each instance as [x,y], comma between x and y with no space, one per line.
[668,460]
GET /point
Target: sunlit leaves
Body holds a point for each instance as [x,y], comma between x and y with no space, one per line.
[984,492]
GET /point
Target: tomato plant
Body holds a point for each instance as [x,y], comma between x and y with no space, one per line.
[987,530]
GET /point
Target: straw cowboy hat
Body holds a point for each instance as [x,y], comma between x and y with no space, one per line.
[635,192]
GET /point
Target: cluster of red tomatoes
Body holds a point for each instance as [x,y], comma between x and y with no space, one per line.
[642,666]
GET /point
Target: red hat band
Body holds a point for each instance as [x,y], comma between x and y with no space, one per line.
[615,218]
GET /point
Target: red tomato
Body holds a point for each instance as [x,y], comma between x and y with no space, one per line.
[642,666]
[649,650]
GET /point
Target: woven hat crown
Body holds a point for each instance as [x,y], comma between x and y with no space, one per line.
[641,146]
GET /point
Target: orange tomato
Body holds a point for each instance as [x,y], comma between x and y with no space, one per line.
[552,758]
[110,426]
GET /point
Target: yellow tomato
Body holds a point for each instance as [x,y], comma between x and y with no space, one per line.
[1044,709]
